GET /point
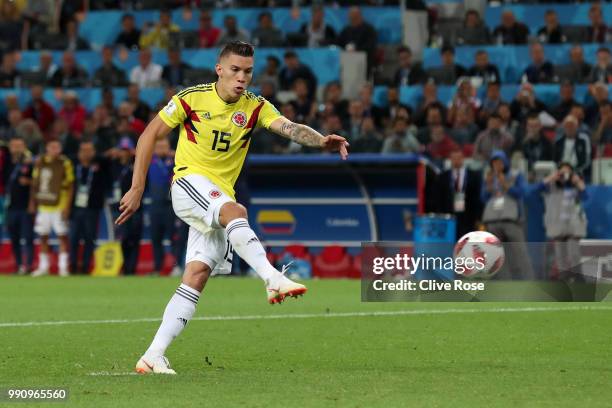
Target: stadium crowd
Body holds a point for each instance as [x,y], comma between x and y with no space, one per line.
[93,148]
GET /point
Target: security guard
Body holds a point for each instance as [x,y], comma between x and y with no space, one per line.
[92,181]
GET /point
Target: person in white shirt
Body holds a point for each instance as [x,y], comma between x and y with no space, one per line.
[147,74]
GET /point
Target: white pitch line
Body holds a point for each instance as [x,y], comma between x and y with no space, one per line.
[317,315]
[110,374]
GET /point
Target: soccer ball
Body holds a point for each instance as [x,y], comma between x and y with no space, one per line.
[478,254]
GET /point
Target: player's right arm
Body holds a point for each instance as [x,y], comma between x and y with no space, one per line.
[129,204]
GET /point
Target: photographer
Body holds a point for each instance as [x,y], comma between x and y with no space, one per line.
[564,218]
[502,195]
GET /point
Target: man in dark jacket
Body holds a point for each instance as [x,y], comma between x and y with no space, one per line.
[408,73]
[536,146]
[458,191]
[573,147]
[359,35]
[510,31]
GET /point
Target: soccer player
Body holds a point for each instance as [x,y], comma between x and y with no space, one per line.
[216,123]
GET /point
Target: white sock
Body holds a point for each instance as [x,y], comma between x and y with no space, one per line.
[247,245]
[179,311]
[43,261]
[62,262]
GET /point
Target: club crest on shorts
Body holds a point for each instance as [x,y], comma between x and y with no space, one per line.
[239,119]
[214,194]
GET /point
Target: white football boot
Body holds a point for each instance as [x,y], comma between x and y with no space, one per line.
[280,287]
[157,365]
[39,272]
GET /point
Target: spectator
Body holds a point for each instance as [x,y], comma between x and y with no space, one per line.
[50,201]
[580,69]
[332,125]
[25,129]
[401,139]
[452,71]
[359,35]
[509,124]
[268,91]
[130,232]
[491,102]
[105,136]
[433,117]
[232,32]
[573,146]
[318,33]
[141,109]
[173,74]
[92,182]
[483,70]
[73,41]
[408,73]
[294,70]
[129,36]
[158,35]
[332,95]
[393,105]
[603,130]
[536,146]
[134,125]
[38,17]
[18,220]
[510,31]
[39,110]
[598,94]
[602,70]
[304,106]
[503,215]
[270,72]
[525,103]
[492,138]
[429,98]
[9,75]
[355,119]
[551,33]
[73,113]
[464,130]
[465,97]
[540,71]
[458,193]
[266,34]
[159,179]
[108,100]
[474,31]
[564,192]
[441,144]
[69,75]
[566,94]
[46,67]
[11,26]
[578,112]
[109,75]
[147,74]
[369,140]
[598,31]
[207,32]
[369,109]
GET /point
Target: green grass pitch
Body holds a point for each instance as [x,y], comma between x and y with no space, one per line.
[327,349]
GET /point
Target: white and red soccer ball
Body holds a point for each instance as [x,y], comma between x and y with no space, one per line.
[484,249]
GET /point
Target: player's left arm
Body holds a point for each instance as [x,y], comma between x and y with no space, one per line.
[307,136]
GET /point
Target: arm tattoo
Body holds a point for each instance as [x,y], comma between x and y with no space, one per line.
[301,134]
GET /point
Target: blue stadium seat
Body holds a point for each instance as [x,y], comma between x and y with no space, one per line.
[102,27]
[533,14]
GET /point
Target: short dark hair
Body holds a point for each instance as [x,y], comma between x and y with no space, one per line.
[603,49]
[404,48]
[447,48]
[533,115]
[241,48]
[273,58]
[127,17]
[290,54]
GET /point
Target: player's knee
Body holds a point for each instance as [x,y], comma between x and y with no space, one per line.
[196,274]
[230,211]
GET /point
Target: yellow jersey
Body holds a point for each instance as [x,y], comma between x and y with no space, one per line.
[66,183]
[215,135]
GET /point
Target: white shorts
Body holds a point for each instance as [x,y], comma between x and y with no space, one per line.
[50,221]
[197,201]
